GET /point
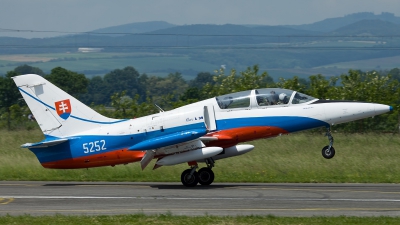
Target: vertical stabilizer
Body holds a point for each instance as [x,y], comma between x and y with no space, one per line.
[57,113]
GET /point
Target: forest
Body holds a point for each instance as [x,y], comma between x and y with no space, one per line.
[125,93]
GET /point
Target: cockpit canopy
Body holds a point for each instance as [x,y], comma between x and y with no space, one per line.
[262,98]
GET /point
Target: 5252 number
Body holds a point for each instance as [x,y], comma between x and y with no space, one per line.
[94,146]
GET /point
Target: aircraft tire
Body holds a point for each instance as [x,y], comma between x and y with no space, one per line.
[187,180]
[328,154]
[206,176]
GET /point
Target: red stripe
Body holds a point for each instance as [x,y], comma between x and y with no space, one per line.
[104,159]
[231,137]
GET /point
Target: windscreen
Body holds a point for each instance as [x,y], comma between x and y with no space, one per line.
[234,100]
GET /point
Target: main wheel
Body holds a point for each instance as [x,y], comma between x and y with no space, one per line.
[328,153]
[189,180]
[206,176]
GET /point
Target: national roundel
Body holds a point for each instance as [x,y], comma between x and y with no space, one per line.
[63,108]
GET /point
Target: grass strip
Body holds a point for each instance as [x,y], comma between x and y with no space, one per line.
[360,158]
[189,220]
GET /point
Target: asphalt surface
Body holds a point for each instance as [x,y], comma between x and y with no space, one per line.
[223,199]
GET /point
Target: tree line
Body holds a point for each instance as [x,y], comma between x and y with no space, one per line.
[125,93]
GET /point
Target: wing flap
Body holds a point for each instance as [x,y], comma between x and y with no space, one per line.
[147,158]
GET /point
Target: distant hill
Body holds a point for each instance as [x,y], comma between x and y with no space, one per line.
[231,29]
[206,29]
[141,27]
[281,30]
[324,26]
[228,34]
[332,24]
[170,35]
[369,28]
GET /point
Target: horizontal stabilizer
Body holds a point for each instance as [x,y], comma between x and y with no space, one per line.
[44,144]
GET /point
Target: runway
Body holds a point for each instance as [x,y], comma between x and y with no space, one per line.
[222,199]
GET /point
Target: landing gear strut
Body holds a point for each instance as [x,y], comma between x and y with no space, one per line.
[328,151]
[205,175]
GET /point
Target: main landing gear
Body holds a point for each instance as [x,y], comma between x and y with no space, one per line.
[328,151]
[205,175]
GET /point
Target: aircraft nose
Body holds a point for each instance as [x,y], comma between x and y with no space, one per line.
[380,108]
[342,112]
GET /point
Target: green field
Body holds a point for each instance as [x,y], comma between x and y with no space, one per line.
[201,220]
[360,158]
[100,63]
[387,63]
[159,64]
[305,72]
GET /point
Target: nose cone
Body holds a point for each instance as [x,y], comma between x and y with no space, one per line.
[379,109]
[349,111]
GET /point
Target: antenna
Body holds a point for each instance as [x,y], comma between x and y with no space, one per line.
[159,108]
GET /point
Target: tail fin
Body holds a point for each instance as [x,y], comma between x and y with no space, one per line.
[57,113]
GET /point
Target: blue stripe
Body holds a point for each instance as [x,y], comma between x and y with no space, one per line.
[36,99]
[288,123]
[99,122]
[75,117]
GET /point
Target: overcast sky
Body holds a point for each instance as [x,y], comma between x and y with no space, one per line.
[88,15]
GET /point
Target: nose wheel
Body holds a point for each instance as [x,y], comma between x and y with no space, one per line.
[328,151]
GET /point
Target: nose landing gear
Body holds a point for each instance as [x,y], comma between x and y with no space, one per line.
[328,151]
